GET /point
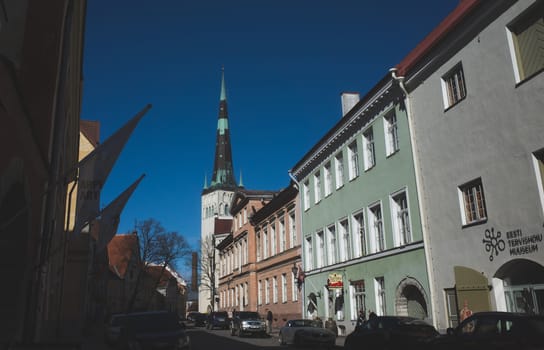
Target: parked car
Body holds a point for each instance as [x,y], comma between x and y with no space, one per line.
[303,332]
[247,322]
[196,319]
[391,332]
[495,330]
[218,319]
[153,330]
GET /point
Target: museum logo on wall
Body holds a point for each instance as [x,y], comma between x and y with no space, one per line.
[514,242]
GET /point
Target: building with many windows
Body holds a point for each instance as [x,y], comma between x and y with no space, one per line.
[362,240]
[474,88]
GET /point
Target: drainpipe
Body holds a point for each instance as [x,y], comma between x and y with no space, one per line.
[302,301]
[422,208]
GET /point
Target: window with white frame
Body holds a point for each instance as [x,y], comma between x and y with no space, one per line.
[273,250]
[345,246]
[358,234]
[358,298]
[246,251]
[275,289]
[236,295]
[471,198]
[339,170]
[258,243]
[292,230]
[379,284]
[283,237]
[260,292]
[320,249]
[391,133]
[246,296]
[327,176]
[353,161]
[267,291]
[294,287]
[265,243]
[368,149]
[400,219]
[526,39]
[317,186]
[245,215]
[283,288]
[376,228]
[451,307]
[331,245]
[306,192]
[453,86]
[308,254]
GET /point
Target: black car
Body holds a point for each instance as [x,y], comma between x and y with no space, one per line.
[495,330]
[196,319]
[153,330]
[247,322]
[219,319]
[391,332]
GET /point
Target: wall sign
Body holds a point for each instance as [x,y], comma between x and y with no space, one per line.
[517,242]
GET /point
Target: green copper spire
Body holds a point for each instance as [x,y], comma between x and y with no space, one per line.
[223,96]
[223,170]
[205,181]
[241,183]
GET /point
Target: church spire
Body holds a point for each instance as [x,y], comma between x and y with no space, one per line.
[223,171]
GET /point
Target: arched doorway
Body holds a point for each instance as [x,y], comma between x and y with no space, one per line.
[523,282]
[411,299]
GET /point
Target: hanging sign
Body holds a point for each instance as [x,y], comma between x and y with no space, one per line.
[335,281]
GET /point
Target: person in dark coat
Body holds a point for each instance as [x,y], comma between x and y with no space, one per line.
[269,318]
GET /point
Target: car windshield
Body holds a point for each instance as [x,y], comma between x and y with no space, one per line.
[248,314]
[306,323]
[221,314]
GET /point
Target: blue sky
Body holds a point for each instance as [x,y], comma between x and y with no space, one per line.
[286,64]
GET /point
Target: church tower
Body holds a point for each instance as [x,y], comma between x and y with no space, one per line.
[216,197]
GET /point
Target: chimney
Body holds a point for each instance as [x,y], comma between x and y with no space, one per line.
[349,99]
[194,272]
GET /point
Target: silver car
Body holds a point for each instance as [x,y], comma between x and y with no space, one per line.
[303,332]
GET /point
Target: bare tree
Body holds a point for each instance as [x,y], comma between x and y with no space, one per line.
[159,247]
[208,268]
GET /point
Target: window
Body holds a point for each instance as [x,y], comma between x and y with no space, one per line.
[292,230]
[267,291]
[526,39]
[283,288]
[379,283]
[258,242]
[376,228]
[471,197]
[308,254]
[358,298]
[317,187]
[538,160]
[358,234]
[331,245]
[400,219]
[273,250]
[345,247]
[391,133]
[453,86]
[320,247]
[260,292]
[451,307]
[294,287]
[265,244]
[368,149]
[339,170]
[283,238]
[353,159]
[327,178]
[306,189]
[275,290]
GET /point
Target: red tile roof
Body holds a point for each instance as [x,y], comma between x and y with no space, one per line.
[155,271]
[448,24]
[120,250]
